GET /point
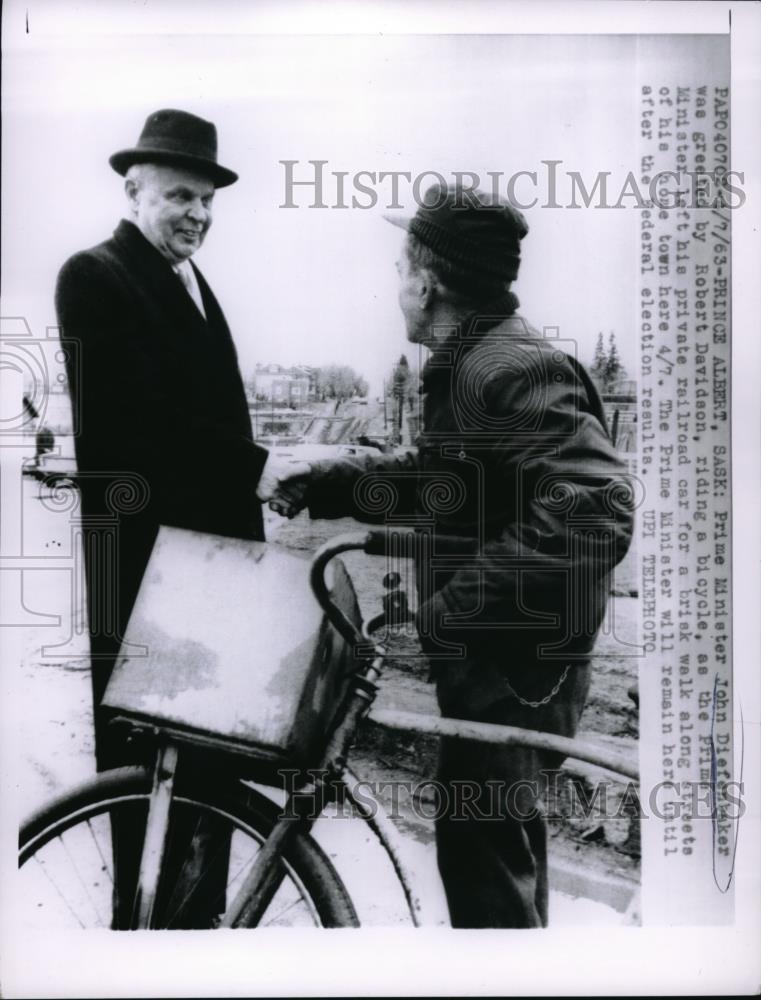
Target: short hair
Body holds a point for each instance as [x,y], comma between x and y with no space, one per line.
[138,173]
[465,286]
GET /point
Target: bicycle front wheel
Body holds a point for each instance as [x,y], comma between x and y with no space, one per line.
[78,858]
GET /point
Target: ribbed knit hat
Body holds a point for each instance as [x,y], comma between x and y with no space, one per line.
[480,232]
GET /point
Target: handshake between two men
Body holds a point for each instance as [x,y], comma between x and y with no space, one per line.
[498,401]
[284,485]
[506,418]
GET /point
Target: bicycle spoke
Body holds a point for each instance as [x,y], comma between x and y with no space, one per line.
[43,867]
[183,878]
[242,869]
[82,883]
[171,910]
[106,867]
[88,862]
[282,911]
[284,896]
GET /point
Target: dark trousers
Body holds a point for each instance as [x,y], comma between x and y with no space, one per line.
[196,862]
[491,834]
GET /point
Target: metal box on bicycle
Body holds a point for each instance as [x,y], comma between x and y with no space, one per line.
[227,648]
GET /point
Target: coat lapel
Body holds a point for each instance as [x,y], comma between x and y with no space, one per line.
[158,278]
[185,331]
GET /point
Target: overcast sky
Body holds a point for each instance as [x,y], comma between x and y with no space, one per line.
[318,285]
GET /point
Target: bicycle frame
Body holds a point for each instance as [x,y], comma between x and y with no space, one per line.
[334,778]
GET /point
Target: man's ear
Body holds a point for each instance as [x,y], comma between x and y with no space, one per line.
[131,189]
[426,288]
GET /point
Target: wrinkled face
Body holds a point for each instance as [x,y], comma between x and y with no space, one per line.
[171,207]
[415,318]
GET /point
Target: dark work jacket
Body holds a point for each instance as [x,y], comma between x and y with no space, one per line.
[163,434]
[525,502]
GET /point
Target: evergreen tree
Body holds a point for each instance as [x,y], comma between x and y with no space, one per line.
[614,370]
[600,360]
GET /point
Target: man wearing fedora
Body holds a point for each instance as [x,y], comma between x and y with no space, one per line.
[525,511]
[164,430]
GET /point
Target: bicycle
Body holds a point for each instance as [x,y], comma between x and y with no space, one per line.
[276,873]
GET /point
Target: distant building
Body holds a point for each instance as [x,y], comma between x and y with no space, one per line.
[285,386]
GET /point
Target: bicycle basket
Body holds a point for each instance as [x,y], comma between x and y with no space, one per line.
[227,646]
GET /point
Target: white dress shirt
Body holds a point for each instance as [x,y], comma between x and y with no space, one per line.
[188,277]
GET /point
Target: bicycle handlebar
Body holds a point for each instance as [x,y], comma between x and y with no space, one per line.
[373,543]
[377,543]
[326,552]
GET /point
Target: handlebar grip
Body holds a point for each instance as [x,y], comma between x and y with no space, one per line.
[379,542]
[376,543]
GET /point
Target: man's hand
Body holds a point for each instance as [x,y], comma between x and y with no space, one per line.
[276,471]
[290,497]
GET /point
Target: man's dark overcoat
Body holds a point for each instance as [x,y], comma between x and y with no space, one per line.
[163,434]
[516,475]
[526,509]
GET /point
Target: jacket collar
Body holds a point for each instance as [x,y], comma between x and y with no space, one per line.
[499,315]
[157,270]
[129,237]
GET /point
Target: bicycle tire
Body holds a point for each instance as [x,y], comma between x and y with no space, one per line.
[307,869]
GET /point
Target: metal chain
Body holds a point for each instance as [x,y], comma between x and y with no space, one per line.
[548,698]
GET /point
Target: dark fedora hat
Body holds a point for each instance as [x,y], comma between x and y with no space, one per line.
[176,137]
[479,231]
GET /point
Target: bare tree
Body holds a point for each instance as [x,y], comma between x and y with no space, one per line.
[339,382]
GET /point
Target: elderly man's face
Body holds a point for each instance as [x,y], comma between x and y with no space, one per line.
[412,297]
[172,208]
